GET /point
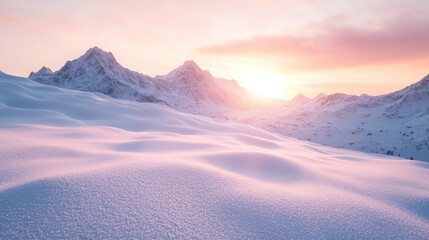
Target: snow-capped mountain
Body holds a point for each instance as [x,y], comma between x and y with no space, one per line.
[394,124]
[187,88]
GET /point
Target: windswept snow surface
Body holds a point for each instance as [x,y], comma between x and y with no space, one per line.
[83,165]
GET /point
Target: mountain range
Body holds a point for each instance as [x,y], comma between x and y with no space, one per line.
[394,124]
[187,88]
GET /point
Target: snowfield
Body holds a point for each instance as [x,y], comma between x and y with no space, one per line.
[83,165]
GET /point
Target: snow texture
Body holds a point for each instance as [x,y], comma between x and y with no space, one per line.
[79,165]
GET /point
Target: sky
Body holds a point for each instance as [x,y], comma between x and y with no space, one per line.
[275,48]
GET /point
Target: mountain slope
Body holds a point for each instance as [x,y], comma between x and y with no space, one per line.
[71,169]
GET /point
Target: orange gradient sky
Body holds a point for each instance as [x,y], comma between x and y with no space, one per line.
[276,48]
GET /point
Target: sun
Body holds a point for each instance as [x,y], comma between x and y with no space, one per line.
[262,83]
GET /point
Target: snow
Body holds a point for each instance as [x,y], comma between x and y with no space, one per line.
[395,123]
[84,165]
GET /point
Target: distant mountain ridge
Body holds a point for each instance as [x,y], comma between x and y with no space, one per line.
[396,123]
[187,88]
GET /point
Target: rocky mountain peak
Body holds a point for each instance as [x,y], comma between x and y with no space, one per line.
[97,54]
[189,71]
[43,71]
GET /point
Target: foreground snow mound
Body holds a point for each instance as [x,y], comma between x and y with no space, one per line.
[82,165]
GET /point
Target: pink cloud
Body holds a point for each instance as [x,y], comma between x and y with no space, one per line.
[9,20]
[337,45]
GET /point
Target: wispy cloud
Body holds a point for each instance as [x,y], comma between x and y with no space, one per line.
[335,44]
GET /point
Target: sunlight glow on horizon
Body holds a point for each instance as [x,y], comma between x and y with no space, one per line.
[262,83]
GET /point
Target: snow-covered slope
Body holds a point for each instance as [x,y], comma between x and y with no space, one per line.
[83,165]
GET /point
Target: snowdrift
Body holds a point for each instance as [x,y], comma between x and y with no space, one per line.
[83,165]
